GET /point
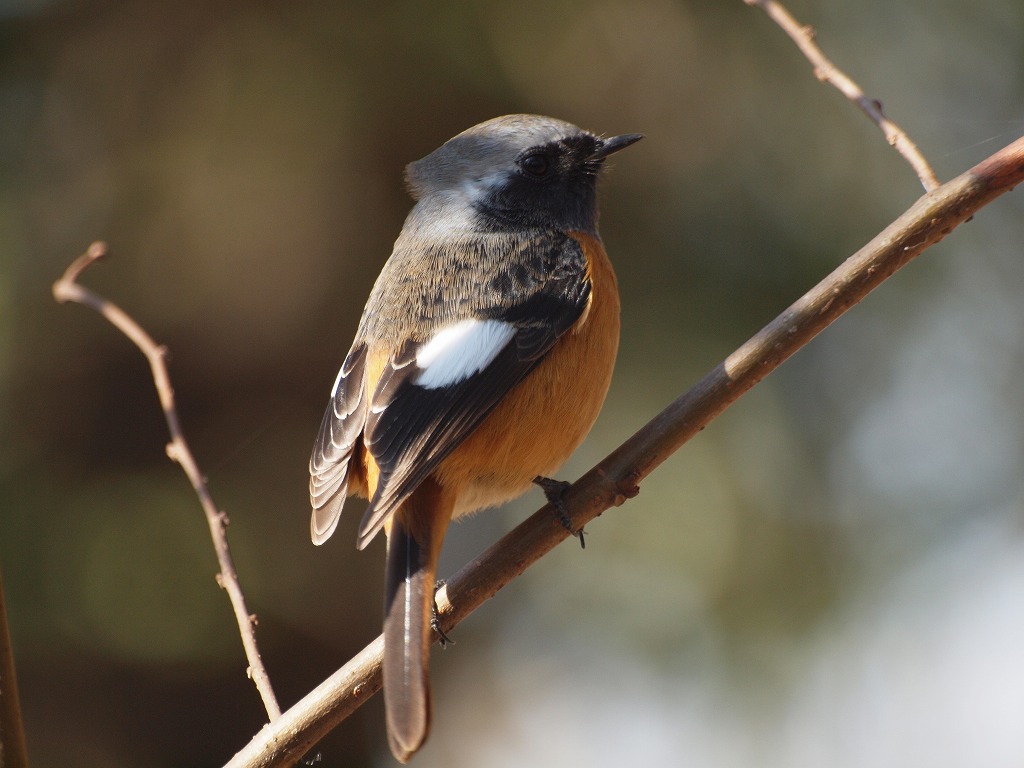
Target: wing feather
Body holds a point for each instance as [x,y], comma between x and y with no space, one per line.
[340,431]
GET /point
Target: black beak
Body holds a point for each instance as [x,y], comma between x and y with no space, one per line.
[614,144]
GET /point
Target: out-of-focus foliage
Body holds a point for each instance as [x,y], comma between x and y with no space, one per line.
[829,575]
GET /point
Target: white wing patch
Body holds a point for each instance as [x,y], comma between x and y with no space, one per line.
[457,352]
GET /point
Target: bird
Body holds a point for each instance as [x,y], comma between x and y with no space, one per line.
[481,361]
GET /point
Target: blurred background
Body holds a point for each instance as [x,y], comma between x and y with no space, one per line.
[831,574]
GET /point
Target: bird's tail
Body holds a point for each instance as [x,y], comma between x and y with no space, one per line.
[414,545]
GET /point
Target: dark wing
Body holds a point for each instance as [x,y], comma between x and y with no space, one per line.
[432,394]
[339,432]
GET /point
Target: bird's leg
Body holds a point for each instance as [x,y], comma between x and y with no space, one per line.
[435,620]
[554,492]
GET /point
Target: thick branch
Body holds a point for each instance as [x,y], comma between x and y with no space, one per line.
[616,478]
[13,753]
[829,73]
[68,289]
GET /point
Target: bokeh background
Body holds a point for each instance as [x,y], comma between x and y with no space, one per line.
[831,574]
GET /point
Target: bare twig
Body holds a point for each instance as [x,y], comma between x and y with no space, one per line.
[616,478]
[828,72]
[13,752]
[68,289]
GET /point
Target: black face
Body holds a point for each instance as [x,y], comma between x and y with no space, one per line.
[554,187]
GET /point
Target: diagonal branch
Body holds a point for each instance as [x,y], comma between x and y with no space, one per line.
[829,73]
[615,479]
[68,289]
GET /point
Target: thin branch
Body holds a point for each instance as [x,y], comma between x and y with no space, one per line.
[13,752]
[827,72]
[617,478]
[68,289]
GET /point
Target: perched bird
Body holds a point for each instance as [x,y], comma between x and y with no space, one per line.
[481,361]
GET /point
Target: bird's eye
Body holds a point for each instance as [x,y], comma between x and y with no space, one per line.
[536,164]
